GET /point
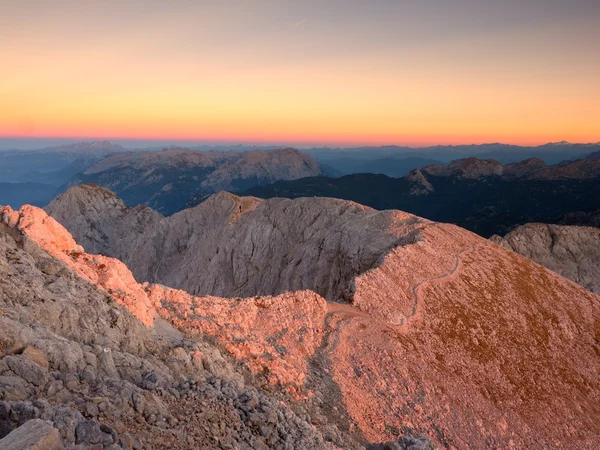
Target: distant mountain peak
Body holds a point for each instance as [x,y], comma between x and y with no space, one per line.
[466,168]
[94,143]
[418,183]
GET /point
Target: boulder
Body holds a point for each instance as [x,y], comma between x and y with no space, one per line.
[35,434]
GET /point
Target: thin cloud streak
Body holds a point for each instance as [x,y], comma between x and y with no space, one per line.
[297,24]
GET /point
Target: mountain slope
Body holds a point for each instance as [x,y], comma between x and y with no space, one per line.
[440,332]
[572,251]
[168,179]
[593,156]
[85,347]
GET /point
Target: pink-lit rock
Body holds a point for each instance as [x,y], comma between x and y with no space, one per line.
[267,333]
[494,350]
[449,335]
[109,274]
[275,334]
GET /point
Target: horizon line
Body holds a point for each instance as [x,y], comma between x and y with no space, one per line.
[272,143]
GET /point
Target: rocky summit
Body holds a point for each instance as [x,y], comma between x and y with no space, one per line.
[416,328]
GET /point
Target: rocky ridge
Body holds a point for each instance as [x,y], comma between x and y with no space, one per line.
[244,245]
[531,169]
[467,168]
[572,251]
[442,333]
[83,347]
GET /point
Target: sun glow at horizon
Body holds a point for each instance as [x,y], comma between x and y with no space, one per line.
[202,72]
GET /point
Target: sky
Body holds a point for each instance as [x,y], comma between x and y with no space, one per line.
[342,72]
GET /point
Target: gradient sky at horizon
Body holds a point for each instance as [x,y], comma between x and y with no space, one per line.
[321,72]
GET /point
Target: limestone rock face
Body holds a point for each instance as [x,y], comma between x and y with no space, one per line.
[440,332]
[100,219]
[170,179]
[572,251]
[245,246]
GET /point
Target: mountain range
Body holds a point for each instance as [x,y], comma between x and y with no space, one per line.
[165,249]
[307,323]
[551,153]
[484,196]
[64,165]
[35,176]
[168,179]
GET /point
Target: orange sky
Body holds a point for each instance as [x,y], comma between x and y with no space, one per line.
[348,73]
